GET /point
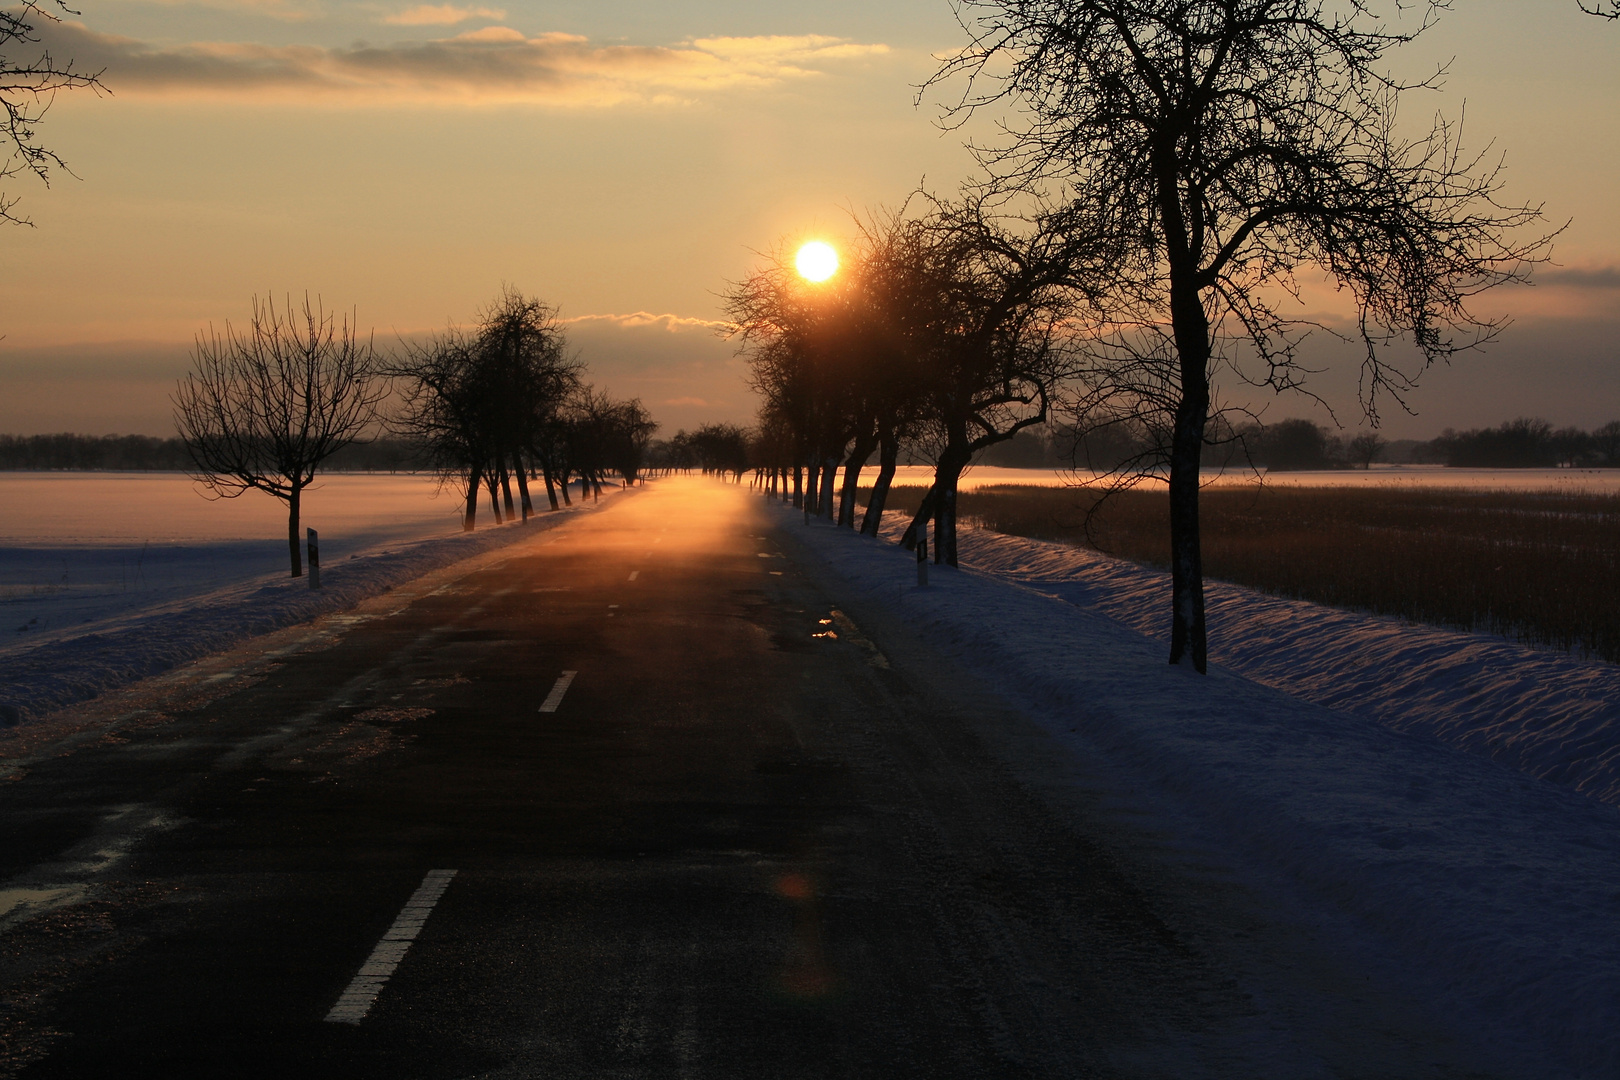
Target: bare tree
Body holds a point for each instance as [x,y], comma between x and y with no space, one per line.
[27,88]
[481,401]
[630,429]
[1365,448]
[262,410]
[996,341]
[943,321]
[1215,149]
[1610,12]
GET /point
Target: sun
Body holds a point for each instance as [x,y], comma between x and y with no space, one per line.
[816,261]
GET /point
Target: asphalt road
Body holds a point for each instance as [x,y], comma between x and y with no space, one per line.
[738,846]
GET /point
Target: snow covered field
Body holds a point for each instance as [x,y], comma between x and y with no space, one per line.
[80,549]
[1421,789]
[1599,481]
[106,578]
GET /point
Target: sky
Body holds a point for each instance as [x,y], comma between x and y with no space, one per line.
[625,161]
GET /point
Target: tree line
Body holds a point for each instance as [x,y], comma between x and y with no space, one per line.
[488,409]
[1297,444]
[943,334]
[151,453]
[1165,178]
[713,449]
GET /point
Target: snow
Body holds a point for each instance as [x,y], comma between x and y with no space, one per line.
[1547,713]
[108,578]
[1438,790]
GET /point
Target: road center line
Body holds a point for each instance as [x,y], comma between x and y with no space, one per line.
[368,982]
[558,689]
[634,574]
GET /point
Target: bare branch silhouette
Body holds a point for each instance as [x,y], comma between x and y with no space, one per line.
[262,410]
[1216,151]
[27,88]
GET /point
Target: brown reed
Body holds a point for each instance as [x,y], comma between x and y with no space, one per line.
[1537,566]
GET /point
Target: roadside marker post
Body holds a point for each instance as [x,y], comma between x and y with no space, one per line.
[314,558]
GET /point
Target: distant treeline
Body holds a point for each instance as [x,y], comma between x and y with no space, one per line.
[1288,445]
[1283,446]
[147,453]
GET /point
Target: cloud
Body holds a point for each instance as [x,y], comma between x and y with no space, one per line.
[441,15]
[678,365]
[673,324]
[1579,277]
[495,64]
[286,10]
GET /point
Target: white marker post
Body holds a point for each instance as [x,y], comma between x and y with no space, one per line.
[314,558]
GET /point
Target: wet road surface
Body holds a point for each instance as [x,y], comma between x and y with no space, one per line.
[632,800]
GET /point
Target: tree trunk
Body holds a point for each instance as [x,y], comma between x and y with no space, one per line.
[492,486]
[292,531]
[887,456]
[1187,630]
[946,476]
[523,486]
[506,489]
[551,489]
[798,486]
[469,519]
[562,485]
[945,524]
[829,475]
[865,443]
[908,539]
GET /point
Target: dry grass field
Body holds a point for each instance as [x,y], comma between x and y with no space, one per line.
[1539,567]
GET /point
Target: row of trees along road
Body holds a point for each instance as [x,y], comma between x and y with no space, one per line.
[264,409]
[713,449]
[944,331]
[1170,175]
[508,401]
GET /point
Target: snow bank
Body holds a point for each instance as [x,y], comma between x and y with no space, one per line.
[184,619]
[1548,713]
[1499,889]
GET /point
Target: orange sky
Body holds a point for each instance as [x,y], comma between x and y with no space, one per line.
[622,161]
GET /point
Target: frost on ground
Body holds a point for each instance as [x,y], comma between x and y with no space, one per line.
[105,581]
[1423,784]
[1550,714]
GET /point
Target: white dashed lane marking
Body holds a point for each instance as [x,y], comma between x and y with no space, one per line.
[363,989]
[558,689]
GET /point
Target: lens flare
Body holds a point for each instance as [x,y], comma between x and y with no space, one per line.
[816,261]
